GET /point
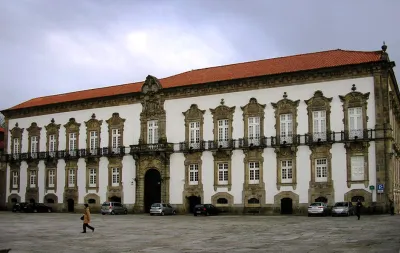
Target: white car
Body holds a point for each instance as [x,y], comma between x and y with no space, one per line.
[318,208]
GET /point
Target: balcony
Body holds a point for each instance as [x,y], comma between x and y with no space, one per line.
[224,144]
[151,148]
[253,143]
[359,134]
[285,140]
[191,146]
[112,152]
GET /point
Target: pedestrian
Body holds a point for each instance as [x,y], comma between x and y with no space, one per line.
[86,219]
[391,207]
[358,208]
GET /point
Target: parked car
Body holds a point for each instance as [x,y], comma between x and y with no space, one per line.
[19,207]
[343,208]
[318,208]
[162,209]
[37,208]
[113,208]
[205,209]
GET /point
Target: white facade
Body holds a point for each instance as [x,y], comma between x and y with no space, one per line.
[175,131]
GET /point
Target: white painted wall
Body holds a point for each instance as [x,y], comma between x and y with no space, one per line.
[175,133]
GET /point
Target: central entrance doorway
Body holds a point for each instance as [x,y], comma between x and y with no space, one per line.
[152,188]
[193,201]
[71,205]
[286,206]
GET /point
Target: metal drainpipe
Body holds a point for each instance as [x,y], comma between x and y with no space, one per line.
[384,161]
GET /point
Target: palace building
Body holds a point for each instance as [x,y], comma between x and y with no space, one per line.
[268,136]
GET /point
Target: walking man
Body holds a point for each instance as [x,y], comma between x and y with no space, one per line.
[358,208]
[391,207]
[86,219]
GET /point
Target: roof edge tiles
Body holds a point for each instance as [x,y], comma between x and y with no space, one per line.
[273,66]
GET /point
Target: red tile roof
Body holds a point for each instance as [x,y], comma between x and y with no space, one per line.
[2,129]
[1,144]
[310,61]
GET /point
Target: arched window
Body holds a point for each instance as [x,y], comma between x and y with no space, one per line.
[50,201]
[253,201]
[356,198]
[321,199]
[222,201]
[14,200]
[92,201]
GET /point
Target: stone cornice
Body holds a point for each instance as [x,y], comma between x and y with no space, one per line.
[279,80]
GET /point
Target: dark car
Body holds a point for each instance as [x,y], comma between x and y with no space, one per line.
[343,208]
[205,209]
[19,207]
[37,208]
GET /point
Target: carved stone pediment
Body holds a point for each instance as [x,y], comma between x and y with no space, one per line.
[52,128]
[193,113]
[354,98]
[288,152]
[16,132]
[223,111]
[285,105]
[318,102]
[34,130]
[151,85]
[72,125]
[93,124]
[357,146]
[116,121]
[222,155]
[253,108]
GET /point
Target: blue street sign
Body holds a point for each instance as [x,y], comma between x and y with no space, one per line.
[380,188]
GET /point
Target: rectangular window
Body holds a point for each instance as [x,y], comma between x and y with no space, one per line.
[16,146]
[193,174]
[223,174]
[52,178]
[32,179]
[254,173]
[15,180]
[357,168]
[93,142]
[71,178]
[152,132]
[52,145]
[34,146]
[286,135]
[115,177]
[287,171]
[73,144]
[355,122]
[321,170]
[319,125]
[254,130]
[223,133]
[116,140]
[194,134]
[92,178]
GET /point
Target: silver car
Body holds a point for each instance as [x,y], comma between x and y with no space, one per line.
[113,208]
[318,208]
[343,208]
[162,209]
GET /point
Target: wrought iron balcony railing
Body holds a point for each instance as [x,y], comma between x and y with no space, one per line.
[192,146]
[252,142]
[154,147]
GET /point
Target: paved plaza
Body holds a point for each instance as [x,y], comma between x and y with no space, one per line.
[57,232]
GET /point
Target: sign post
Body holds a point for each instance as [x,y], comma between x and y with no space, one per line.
[380,188]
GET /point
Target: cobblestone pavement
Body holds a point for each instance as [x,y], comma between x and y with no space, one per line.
[59,233]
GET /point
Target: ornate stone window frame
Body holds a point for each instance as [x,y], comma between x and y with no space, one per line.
[253,190]
[117,191]
[351,100]
[193,114]
[92,163]
[32,166]
[93,125]
[222,156]
[15,167]
[33,130]
[253,109]
[224,195]
[71,164]
[285,106]
[16,133]
[47,171]
[357,149]
[52,129]
[152,100]
[72,127]
[286,153]
[115,122]
[318,103]
[222,112]
[193,190]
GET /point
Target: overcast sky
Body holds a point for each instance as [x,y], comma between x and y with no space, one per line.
[49,47]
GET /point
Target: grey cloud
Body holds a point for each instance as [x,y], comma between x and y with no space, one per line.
[248,30]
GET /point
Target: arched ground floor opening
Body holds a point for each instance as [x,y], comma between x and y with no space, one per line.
[70,205]
[321,199]
[286,206]
[114,199]
[287,202]
[192,201]
[152,188]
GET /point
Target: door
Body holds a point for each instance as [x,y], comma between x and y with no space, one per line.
[71,204]
[152,188]
[193,201]
[286,206]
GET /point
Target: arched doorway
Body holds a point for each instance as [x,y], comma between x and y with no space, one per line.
[115,199]
[71,205]
[152,188]
[321,199]
[32,201]
[193,201]
[286,206]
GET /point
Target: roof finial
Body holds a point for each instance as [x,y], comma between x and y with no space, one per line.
[384,47]
[285,95]
[93,116]
[222,101]
[354,88]
[16,124]
[52,120]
